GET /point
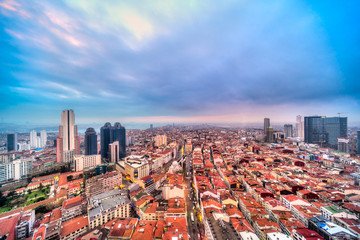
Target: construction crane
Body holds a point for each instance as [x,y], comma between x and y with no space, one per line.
[341,113]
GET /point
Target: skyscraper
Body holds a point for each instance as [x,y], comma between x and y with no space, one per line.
[325,131]
[90,142]
[120,135]
[33,140]
[269,135]
[68,143]
[299,127]
[43,138]
[12,142]
[111,134]
[288,130]
[266,129]
[266,124]
[105,138]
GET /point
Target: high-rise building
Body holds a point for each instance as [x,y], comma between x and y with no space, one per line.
[33,139]
[120,135]
[68,143]
[325,131]
[160,140]
[114,151]
[90,142]
[269,135]
[43,138]
[266,124]
[12,142]
[299,127]
[111,134]
[106,139]
[344,145]
[16,169]
[288,130]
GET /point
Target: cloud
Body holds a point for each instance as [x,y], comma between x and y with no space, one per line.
[178,58]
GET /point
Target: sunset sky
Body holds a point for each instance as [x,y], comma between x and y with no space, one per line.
[179,61]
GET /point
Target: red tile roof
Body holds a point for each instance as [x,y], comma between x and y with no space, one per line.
[73,225]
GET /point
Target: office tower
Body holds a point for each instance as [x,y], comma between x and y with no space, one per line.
[114,151]
[68,143]
[269,135]
[344,145]
[33,139]
[325,131]
[90,142]
[43,138]
[160,140]
[299,127]
[111,134]
[266,124]
[151,127]
[120,135]
[105,138]
[12,142]
[288,130]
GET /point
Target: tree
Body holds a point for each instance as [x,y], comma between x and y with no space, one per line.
[2,199]
[41,186]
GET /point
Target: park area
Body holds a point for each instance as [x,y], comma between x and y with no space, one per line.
[13,201]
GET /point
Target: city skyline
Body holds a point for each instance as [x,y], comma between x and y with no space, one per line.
[182,62]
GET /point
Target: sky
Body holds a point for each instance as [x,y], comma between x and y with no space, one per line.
[179,61]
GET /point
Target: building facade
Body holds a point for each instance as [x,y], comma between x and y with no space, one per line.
[86,161]
[12,142]
[90,142]
[325,131]
[68,143]
[110,134]
[288,130]
[16,169]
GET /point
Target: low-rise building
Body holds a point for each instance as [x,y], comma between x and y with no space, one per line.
[106,206]
[74,228]
[73,207]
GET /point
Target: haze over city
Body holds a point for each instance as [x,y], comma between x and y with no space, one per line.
[179,61]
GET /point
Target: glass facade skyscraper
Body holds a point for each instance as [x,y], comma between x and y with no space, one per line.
[110,134]
[12,142]
[325,131]
[90,142]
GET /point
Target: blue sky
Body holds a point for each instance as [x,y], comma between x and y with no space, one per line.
[179,61]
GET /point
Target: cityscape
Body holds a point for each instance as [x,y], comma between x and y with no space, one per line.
[179,120]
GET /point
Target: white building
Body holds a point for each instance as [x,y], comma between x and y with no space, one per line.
[85,161]
[299,127]
[114,151]
[33,139]
[16,169]
[23,147]
[68,143]
[43,138]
